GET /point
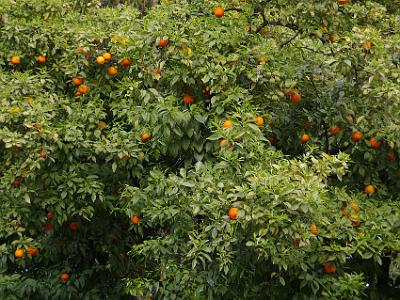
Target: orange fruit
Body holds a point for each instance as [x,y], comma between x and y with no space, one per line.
[355,221]
[100,60]
[343,2]
[187,99]
[17,181]
[107,56]
[374,144]
[225,144]
[33,251]
[83,89]
[228,124]
[19,253]
[126,62]
[77,81]
[219,12]
[334,130]
[112,71]
[115,39]
[64,277]
[163,43]
[295,97]
[391,156]
[354,207]
[73,226]
[145,137]
[329,268]
[15,60]
[101,125]
[30,101]
[124,41]
[314,229]
[357,136]
[304,138]
[43,154]
[50,215]
[369,189]
[233,213]
[41,59]
[135,219]
[260,121]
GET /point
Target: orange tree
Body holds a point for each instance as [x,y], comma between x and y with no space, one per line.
[243,149]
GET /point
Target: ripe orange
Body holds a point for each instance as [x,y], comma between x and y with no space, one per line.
[304,138]
[354,221]
[115,39]
[124,41]
[219,11]
[260,121]
[187,99]
[225,144]
[64,277]
[334,130]
[314,229]
[329,268]
[101,125]
[295,97]
[354,207]
[15,60]
[112,71]
[233,213]
[50,215]
[41,59]
[145,137]
[369,189]
[357,136]
[83,89]
[77,81]
[43,154]
[73,226]
[33,251]
[228,124]
[107,56]
[126,62]
[17,181]
[30,101]
[135,219]
[343,2]
[19,253]
[374,144]
[391,156]
[100,60]
[163,43]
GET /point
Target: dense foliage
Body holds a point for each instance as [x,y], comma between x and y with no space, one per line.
[245,152]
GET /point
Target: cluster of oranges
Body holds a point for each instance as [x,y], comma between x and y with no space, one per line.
[16,60]
[352,213]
